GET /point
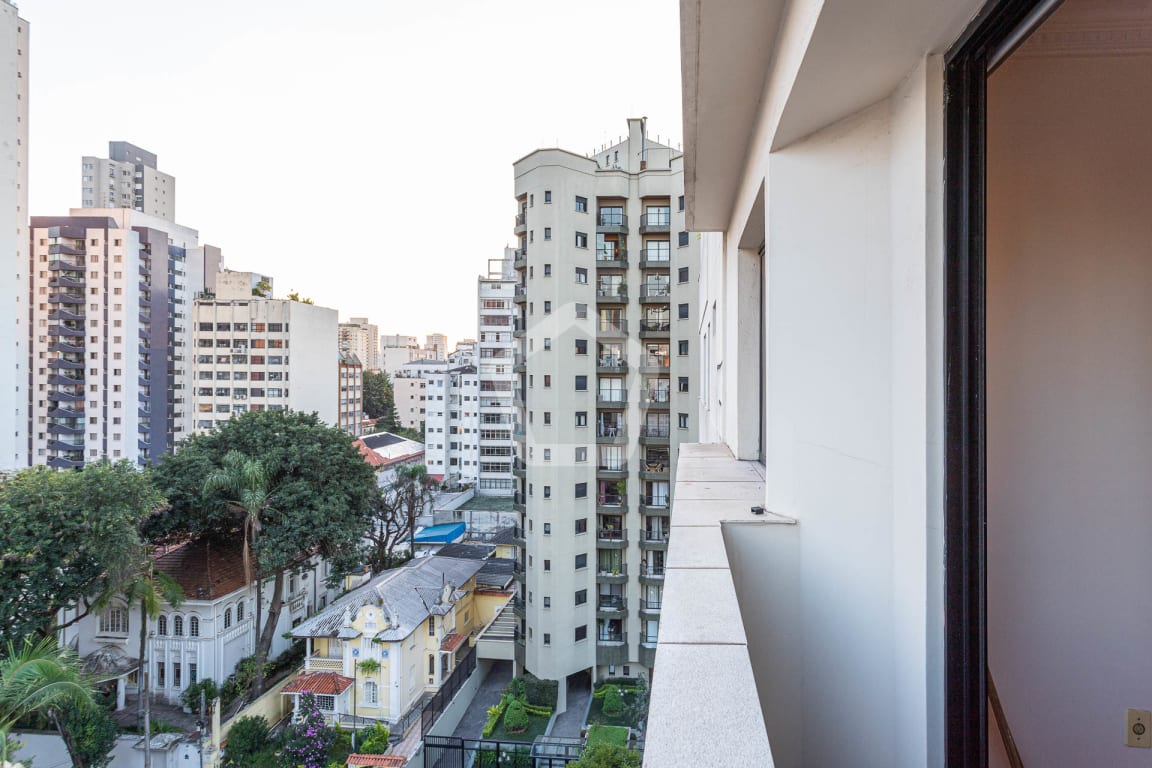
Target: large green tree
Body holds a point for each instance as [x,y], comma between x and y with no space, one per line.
[69,539]
[322,492]
[394,509]
[379,400]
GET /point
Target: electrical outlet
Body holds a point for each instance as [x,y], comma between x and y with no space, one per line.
[1139,728]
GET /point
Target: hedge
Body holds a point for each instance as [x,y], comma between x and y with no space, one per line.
[540,693]
[494,715]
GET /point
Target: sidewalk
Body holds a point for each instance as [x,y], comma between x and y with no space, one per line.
[488,695]
[569,722]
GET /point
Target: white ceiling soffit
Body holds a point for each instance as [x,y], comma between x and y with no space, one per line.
[726,47]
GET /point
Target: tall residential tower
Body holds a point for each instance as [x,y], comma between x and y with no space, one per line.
[496,359]
[127,178]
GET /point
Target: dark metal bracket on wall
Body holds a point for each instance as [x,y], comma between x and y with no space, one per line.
[991,37]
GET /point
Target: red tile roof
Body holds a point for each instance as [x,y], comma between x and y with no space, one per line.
[321,683]
[370,456]
[206,569]
[372,761]
[452,641]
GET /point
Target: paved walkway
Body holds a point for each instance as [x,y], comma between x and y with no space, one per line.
[569,722]
[491,689]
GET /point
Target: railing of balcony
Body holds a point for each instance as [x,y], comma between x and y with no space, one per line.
[608,636]
[658,430]
[655,535]
[611,361]
[611,500]
[612,534]
[612,219]
[612,291]
[621,570]
[612,602]
[663,219]
[652,570]
[655,291]
[655,326]
[655,254]
[659,395]
[612,326]
[654,500]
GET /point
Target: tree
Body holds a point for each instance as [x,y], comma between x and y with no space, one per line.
[636,710]
[69,540]
[263,289]
[295,296]
[247,738]
[394,509]
[607,756]
[91,734]
[379,400]
[39,678]
[307,739]
[320,486]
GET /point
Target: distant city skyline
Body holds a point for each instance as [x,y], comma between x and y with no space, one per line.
[354,154]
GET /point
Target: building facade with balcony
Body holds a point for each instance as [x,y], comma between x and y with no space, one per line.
[449,397]
[605,390]
[495,363]
[109,350]
[350,409]
[127,178]
[252,353]
[14,240]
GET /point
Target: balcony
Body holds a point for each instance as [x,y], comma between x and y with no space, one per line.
[71,349]
[66,446]
[654,364]
[61,428]
[654,505]
[655,471]
[518,328]
[65,330]
[654,540]
[612,470]
[66,282]
[66,249]
[611,605]
[611,434]
[611,364]
[518,537]
[655,434]
[655,329]
[66,265]
[652,574]
[521,225]
[520,258]
[518,398]
[612,648]
[650,609]
[520,294]
[65,413]
[518,502]
[60,380]
[612,538]
[66,397]
[60,363]
[614,576]
[519,363]
[61,462]
[64,314]
[651,258]
[611,502]
[612,399]
[65,298]
[611,223]
[518,468]
[713,490]
[612,294]
[655,294]
[656,399]
[518,570]
[320,663]
[654,223]
[612,259]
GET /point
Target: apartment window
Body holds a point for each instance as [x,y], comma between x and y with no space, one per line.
[547,491]
[582,275]
[547,565]
[581,596]
[581,383]
[547,454]
[547,270]
[547,196]
[682,311]
[581,454]
[531,201]
[547,382]
[581,311]
[682,347]
[547,601]
[547,307]
[581,632]
[680,203]
[547,343]
[547,233]
[682,239]
[581,204]
[431,626]
[547,418]
[547,528]
[581,241]
[581,346]
[532,236]
[683,275]
[682,383]
[581,561]
[581,418]
[581,527]
[581,490]
[683,420]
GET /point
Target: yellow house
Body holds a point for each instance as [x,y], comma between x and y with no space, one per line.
[375,651]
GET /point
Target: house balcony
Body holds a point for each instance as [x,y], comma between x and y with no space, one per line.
[656,399]
[655,294]
[612,259]
[612,648]
[612,538]
[654,471]
[518,328]
[611,503]
[64,313]
[614,399]
[613,471]
[65,413]
[611,364]
[69,349]
[65,396]
[655,223]
[61,380]
[519,363]
[653,574]
[66,282]
[655,364]
[521,225]
[655,435]
[653,505]
[65,249]
[656,541]
[612,329]
[648,652]
[615,576]
[519,468]
[66,446]
[650,609]
[321,663]
[655,329]
[66,330]
[518,607]
[651,258]
[66,298]
[59,363]
[520,258]
[518,398]
[612,224]
[612,294]
[518,537]
[611,606]
[65,429]
[611,434]
[520,294]
[518,571]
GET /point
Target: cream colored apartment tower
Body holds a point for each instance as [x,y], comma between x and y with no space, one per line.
[14,240]
[496,351]
[127,178]
[607,378]
[362,338]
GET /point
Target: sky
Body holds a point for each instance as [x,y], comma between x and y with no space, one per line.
[358,151]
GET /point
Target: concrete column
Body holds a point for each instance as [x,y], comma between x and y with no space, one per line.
[562,695]
[120,693]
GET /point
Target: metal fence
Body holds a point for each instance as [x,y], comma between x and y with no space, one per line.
[545,752]
[440,700]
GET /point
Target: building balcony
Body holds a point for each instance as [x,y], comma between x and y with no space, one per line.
[615,576]
[617,400]
[611,364]
[611,259]
[612,224]
[611,503]
[518,502]
[654,435]
[66,298]
[656,399]
[655,294]
[65,396]
[518,328]
[654,540]
[654,505]
[612,471]
[61,428]
[521,225]
[59,363]
[655,329]
[66,446]
[518,399]
[70,349]
[519,468]
[65,249]
[650,609]
[518,571]
[655,364]
[66,330]
[321,663]
[520,364]
[612,294]
[651,258]
[654,471]
[611,434]
[520,294]
[65,413]
[518,537]
[653,574]
[63,462]
[67,313]
[63,281]
[654,223]
[612,538]
[520,258]
[60,380]
[611,605]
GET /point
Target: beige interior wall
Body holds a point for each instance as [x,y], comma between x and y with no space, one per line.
[1069,352]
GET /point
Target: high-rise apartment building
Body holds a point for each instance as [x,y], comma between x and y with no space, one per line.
[127,178]
[607,371]
[362,338]
[350,413]
[450,392]
[13,239]
[253,353]
[396,351]
[436,346]
[111,295]
[495,361]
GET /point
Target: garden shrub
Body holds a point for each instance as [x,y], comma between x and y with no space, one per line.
[494,715]
[515,718]
[191,695]
[540,693]
[247,738]
[613,701]
[375,740]
[516,689]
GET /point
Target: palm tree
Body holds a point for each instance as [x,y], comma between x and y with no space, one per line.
[248,484]
[38,678]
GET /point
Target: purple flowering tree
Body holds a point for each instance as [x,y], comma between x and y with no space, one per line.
[308,739]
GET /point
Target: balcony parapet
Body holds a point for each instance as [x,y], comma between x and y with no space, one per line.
[702,653]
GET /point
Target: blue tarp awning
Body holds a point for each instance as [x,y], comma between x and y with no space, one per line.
[441,534]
